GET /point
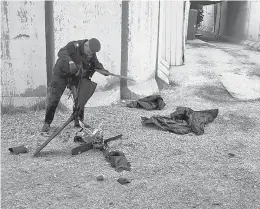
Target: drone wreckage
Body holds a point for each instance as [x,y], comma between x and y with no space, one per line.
[90,139]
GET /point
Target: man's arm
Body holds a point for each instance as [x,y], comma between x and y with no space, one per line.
[65,52]
[65,55]
[97,64]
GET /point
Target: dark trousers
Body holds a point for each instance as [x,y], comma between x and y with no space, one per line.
[55,90]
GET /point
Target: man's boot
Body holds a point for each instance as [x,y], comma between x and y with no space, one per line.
[46,127]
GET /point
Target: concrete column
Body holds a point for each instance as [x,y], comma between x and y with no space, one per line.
[186,16]
[49,35]
[124,47]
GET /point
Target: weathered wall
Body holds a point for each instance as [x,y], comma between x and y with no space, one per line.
[222,18]
[143,27]
[253,31]
[22,48]
[187,9]
[142,48]
[193,13]
[172,39]
[208,20]
[238,19]
[76,20]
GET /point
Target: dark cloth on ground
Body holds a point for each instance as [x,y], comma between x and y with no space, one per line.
[183,120]
[117,160]
[150,103]
[123,180]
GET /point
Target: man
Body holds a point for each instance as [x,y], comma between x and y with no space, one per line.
[72,57]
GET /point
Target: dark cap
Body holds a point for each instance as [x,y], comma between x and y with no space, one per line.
[94,45]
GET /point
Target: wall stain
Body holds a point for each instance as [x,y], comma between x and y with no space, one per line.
[23,15]
[5,33]
[21,36]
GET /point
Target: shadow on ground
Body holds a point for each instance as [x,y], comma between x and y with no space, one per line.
[214,94]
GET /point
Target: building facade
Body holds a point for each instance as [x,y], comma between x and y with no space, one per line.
[235,19]
[137,37]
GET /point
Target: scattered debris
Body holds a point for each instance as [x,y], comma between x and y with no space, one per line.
[217,203]
[123,180]
[88,144]
[117,160]
[18,150]
[231,155]
[150,103]
[183,121]
[100,178]
[82,148]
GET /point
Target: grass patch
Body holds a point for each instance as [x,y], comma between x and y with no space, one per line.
[10,109]
[40,105]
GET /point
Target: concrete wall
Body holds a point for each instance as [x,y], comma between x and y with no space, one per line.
[208,20]
[143,27]
[22,49]
[75,20]
[193,13]
[142,46]
[102,19]
[186,21]
[253,31]
[24,46]
[222,18]
[238,19]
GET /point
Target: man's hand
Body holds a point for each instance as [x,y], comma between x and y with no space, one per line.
[73,67]
[103,72]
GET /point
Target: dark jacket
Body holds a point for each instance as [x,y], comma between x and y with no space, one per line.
[151,102]
[74,51]
[183,120]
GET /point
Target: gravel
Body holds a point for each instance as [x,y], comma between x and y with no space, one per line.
[168,170]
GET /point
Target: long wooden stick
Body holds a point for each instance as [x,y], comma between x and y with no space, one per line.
[55,133]
[119,76]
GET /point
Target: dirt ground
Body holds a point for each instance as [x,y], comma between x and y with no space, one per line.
[220,169]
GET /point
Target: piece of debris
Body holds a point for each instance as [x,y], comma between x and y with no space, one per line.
[183,120]
[216,203]
[88,144]
[79,139]
[100,178]
[18,150]
[82,148]
[123,180]
[231,155]
[151,102]
[117,160]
